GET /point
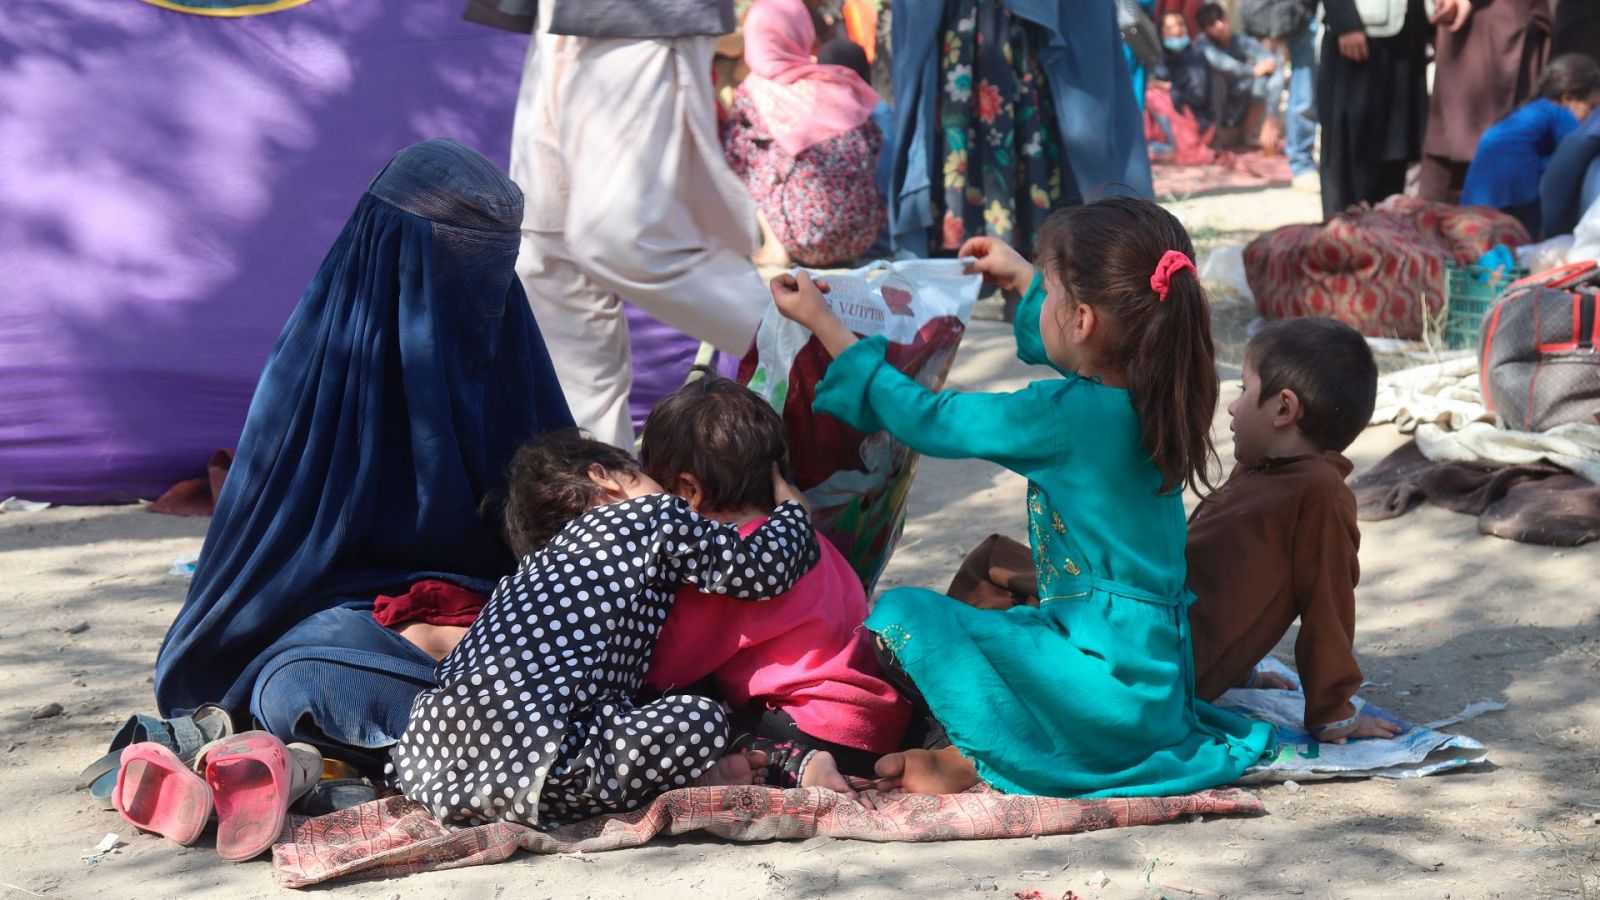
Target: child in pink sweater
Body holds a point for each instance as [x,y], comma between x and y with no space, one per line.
[797,669]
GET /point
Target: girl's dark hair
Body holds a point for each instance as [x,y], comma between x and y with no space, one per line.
[724,435]
[1103,254]
[548,485]
[1569,75]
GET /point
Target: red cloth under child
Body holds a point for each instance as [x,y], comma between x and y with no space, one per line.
[432,602]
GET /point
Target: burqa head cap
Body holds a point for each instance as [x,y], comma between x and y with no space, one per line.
[447,182]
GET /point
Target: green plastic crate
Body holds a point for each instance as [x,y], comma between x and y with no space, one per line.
[1469,292]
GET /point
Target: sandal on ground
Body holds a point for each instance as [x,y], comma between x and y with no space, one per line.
[157,792]
[183,735]
[305,770]
[340,786]
[334,794]
[250,778]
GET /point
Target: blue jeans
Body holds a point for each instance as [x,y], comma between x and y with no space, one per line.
[342,683]
[1300,131]
[1591,189]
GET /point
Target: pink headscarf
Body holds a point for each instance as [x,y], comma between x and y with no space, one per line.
[804,102]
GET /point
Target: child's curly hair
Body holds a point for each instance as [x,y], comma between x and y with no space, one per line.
[548,485]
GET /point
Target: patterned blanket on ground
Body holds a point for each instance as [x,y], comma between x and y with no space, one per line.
[1231,172]
[396,836]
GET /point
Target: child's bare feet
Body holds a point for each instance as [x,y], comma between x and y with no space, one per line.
[943,771]
[748,767]
[822,771]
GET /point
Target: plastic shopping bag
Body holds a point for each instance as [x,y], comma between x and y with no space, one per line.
[858,483]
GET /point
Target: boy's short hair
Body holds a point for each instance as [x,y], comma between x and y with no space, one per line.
[548,485]
[1209,14]
[1329,367]
[724,435]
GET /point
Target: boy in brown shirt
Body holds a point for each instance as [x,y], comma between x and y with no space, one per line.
[1278,540]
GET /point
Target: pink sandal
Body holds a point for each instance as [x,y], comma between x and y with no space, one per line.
[250,784]
[156,792]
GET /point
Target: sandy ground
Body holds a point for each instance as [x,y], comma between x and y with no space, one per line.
[1446,617]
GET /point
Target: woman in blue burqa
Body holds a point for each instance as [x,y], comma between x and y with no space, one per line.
[388,411]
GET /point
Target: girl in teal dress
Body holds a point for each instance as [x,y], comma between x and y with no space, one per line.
[1092,693]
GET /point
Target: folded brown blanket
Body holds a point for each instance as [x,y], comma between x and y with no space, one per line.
[1536,503]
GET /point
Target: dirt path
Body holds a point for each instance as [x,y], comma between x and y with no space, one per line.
[1446,617]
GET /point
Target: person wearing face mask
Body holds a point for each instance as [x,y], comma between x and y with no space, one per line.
[1180,110]
[1184,69]
[1186,72]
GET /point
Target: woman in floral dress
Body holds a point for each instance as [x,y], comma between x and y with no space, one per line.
[801,137]
[1000,144]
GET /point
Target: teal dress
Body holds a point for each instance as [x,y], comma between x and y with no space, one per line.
[1092,693]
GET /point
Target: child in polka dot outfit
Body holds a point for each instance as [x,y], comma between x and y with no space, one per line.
[535,719]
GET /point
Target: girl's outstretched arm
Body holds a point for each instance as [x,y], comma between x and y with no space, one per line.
[1015,430]
[998,262]
[1003,267]
[800,300]
[1018,430]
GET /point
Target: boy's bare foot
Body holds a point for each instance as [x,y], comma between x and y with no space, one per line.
[943,771]
[1370,727]
[748,767]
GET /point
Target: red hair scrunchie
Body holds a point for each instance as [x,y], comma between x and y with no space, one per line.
[1172,262]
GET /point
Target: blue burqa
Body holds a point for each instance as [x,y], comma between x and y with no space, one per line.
[390,407]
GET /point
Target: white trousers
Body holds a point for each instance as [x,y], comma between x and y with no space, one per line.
[627,194]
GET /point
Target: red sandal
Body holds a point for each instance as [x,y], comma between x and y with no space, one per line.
[250,781]
[157,792]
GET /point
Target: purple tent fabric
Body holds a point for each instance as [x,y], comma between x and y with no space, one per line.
[168,185]
[662,358]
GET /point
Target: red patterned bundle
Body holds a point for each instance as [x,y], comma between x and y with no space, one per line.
[1377,269]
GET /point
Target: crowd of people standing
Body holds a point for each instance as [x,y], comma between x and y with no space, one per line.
[833,138]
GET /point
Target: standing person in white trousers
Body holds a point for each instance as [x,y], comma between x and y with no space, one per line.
[627,193]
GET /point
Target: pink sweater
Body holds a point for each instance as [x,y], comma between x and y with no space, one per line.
[804,653]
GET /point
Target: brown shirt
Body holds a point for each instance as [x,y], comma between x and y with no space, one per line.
[1272,544]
